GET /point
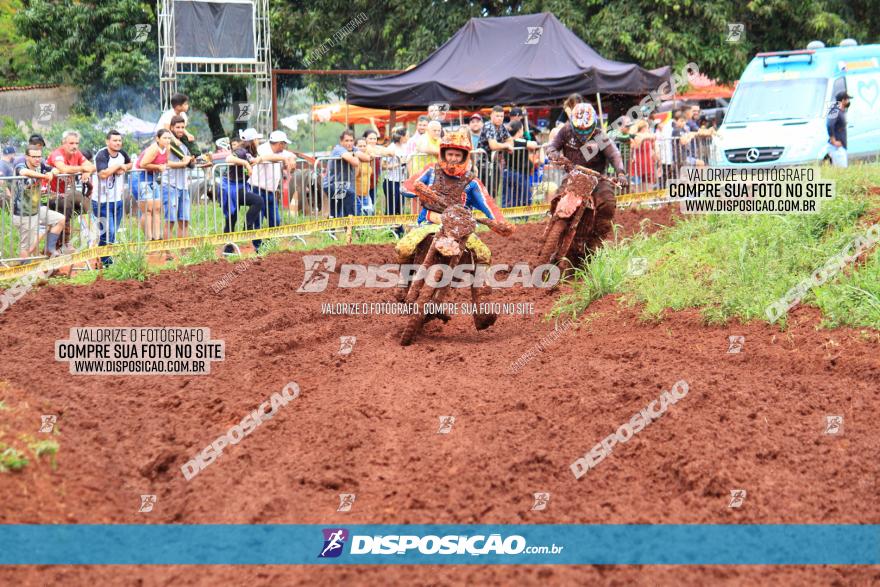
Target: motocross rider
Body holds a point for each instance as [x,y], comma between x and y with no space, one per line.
[443,184]
[573,145]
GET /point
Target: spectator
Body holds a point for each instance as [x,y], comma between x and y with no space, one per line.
[516,177]
[376,152]
[179,107]
[111,164]
[519,115]
[475,125]
[175,188]
[395,173]
[152,163]
[569,103]
[679,137]
[28,216]
[693,119]
[665,147]
[644,156]
[234,189]
[495,137]
[35,140]
[413,143]
[224,148]
[275,161]
[621,136]
[68,160]
[835,124]
[428,149]
[339,182]
[363,179]
[7,167]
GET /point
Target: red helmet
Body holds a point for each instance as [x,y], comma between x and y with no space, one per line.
[455,140]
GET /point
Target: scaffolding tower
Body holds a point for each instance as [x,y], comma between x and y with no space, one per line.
[259,70]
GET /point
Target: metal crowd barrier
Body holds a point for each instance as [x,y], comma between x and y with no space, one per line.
[220,199]
[651,164]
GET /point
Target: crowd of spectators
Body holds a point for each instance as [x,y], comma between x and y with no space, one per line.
[508,158]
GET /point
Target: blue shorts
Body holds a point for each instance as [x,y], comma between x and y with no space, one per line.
[143,186]
[176,203]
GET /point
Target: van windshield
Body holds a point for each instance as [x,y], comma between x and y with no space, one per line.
[777,100]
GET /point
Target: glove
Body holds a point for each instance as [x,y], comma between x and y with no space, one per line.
[502,228]
[564,162]
[622,180]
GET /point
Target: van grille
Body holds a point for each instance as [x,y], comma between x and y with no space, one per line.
[765,154]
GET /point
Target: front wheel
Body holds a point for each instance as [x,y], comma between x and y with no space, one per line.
[550,248]
[420,295]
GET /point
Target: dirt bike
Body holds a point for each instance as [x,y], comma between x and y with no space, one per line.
[446,247]
[574,216]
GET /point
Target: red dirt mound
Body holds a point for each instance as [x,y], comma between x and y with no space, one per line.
[367,422]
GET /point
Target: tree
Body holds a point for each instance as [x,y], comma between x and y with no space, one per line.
[103,48]
[93,46]
[16,68]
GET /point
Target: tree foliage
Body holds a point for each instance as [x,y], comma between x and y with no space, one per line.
[90,43]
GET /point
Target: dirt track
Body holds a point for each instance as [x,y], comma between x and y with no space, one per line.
[367,423]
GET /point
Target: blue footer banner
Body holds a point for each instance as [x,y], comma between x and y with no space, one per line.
[564,544]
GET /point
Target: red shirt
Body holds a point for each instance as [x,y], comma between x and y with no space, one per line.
[59,185]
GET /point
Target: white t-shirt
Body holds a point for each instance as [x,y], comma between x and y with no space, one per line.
[666,143]
[267,176]
[165,119]
[112,188]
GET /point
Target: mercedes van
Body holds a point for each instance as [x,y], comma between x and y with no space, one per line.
[778,112]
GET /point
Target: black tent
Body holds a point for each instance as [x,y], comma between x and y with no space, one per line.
[529,59]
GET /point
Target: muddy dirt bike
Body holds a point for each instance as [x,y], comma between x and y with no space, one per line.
[445,247]
[573,218]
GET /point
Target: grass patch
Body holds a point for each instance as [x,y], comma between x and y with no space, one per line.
[11,459]
[43,448]
[271,245]
[735,266]
[198,254]
[130,263]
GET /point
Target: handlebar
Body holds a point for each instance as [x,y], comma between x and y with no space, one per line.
[594,173]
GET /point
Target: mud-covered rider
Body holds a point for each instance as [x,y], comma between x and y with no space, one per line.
[443,184]
[578,143]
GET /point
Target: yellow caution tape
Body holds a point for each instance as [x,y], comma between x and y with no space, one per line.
[287,230]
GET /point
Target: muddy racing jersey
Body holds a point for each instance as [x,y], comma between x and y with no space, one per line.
[568,144]
[476,195]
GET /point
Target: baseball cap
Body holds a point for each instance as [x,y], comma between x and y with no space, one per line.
[842,96]
[516,111]
[475,115]
[9,150]
[249,134]
[278,136]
